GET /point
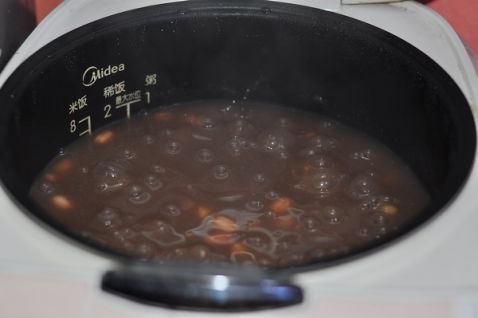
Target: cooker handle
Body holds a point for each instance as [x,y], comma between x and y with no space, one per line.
[199,287]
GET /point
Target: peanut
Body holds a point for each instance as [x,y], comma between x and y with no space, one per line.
[104,137]
[225,224]
[309,134]
[64,165]
[51,177]
[203,212]
[238,248]
[281,205]
[221,239]
[286,223]
[62,202]
[193,120]
[163,117]
[308,167]
[389,209]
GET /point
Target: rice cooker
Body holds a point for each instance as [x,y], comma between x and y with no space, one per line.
[393,69]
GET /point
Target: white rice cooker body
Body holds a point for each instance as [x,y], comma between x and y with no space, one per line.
[439,255]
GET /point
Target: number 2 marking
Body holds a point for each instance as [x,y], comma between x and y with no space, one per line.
[107,110]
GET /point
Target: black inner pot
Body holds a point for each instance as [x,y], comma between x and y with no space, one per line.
[277,53]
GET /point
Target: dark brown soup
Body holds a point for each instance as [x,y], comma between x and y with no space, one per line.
[219,181]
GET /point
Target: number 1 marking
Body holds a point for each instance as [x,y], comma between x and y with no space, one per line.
[148,97]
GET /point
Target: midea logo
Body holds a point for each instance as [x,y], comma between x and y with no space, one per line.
[92,73]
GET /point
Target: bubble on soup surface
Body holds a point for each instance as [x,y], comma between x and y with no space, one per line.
[363,232]
[124,234]
[148,140]
[287,242]
[243,257]
[168,133]
[237,145]
[158,169]
[171,210]
[272,195]
[322,162]
[378,219]
[333,214]
[323,182]
[61,152]
[365,154]
[168,175]
[382,231]
[255,205]
[261,240]
[109,218]
[311,224]
[324,143]
[380,203]
[283,155]
[173,147]
[221,172]
[241,127]
[145,250]
[127,154]
[309,151]
[327,124]
[164,235]
[137,195]
[256,242]
[208,123]
[46,188]
[110,176]
[153,182]
[204,156]
[259,178]
[276,141]
[199,252]
[362,186]
[234,148]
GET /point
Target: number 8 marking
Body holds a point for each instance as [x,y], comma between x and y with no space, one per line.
[72,126]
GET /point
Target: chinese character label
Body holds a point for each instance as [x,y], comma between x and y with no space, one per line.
[128,98]
[78,104]
[115,89]
[73,107]
[120,87]
[82,102]
[109,91]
